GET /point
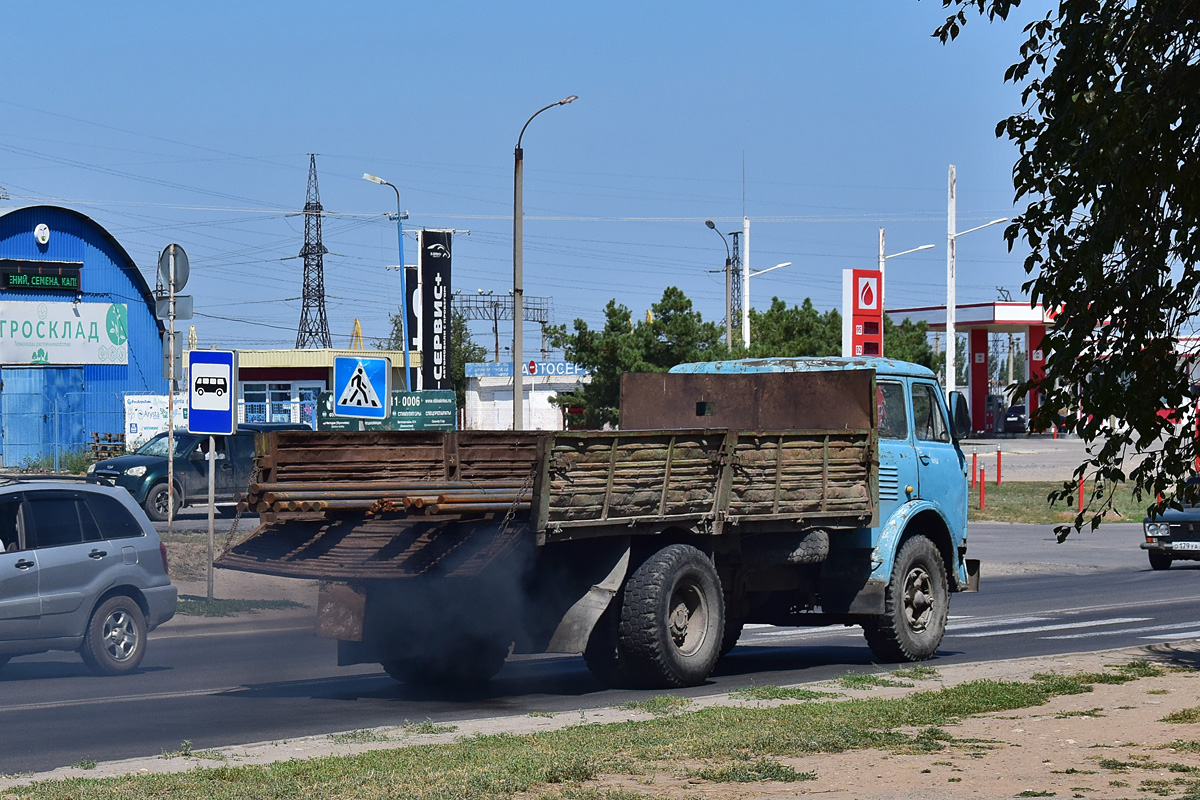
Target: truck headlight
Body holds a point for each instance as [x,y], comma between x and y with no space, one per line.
[1157,529]
[136,472]
[91,470]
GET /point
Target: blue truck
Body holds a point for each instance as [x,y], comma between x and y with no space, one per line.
[797,492]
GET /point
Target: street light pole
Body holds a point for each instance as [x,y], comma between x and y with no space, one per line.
[746,282]
[951,239]
[400,217]
[747,275]
[518,267]
[883,284]
[728,286]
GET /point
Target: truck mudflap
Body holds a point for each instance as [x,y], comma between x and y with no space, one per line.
[972,582]
[383,547]
[575,628]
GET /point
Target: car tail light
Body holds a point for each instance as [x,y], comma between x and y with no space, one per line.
[162,551]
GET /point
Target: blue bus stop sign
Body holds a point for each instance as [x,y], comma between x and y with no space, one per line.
[211,387]
[362,387]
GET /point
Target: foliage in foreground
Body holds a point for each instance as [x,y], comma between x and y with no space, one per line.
[732,744]
[1108,137]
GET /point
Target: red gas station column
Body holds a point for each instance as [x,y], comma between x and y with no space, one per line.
[862,313]
[977,378]
[1037,361]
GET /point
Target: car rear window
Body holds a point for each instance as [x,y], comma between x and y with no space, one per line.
[113,519]
[60,518]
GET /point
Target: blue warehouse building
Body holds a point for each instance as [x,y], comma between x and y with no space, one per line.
[77,333]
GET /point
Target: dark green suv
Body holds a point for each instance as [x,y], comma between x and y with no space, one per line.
[144,472]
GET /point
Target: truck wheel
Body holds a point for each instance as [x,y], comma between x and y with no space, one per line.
[733,632]
[1159,559]
[158,501]
[115,639]
[917,603]
[603,655]
[472,663]
[735,620]
[672,618]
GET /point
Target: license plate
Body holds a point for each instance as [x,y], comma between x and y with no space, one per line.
[1185,545]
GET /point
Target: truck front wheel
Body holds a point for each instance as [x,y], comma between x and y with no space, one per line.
[917,603]
[672,619]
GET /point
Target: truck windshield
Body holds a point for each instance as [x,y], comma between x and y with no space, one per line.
[893,416]
[158,445]
[930,422]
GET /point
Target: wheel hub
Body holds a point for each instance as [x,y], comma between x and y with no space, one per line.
[120,636]
[688,618]
[918,608]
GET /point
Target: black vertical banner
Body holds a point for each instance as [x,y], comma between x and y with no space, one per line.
[413,301]
[435,309]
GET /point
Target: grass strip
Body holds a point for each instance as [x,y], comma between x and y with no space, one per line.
[1027,501]
[189,607]
[567,760]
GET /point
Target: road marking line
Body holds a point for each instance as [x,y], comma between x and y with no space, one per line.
[996,623]
[1063,627]
[1140,629]
[1174,636]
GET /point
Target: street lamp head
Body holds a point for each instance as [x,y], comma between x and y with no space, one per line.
[710,224]
[373,178]
[570,99]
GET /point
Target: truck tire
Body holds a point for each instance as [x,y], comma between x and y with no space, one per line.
[603,655]
[672,619]
[158,500]
[471,663]
[735,620]
[1159,559]
[916,606]
[115,639]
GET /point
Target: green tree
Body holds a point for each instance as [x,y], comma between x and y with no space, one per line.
[909,341]
[1107,170]
[463,349]
[783,332]
[674,333]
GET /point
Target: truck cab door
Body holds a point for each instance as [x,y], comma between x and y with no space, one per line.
[897,458]
[941,467]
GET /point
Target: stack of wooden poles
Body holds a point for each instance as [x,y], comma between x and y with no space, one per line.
[428,498]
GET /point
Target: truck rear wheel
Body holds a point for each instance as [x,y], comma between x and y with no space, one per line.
[603,656]
[917,603]
[472,662]
[672,619]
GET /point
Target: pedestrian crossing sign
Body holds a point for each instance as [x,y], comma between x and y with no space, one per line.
[362,387]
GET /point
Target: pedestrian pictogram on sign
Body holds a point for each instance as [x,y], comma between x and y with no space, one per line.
[362,387]
[359,392]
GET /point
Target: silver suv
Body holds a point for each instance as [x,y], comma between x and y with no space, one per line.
[81,568]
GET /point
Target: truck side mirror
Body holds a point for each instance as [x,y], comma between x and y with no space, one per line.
[960,415]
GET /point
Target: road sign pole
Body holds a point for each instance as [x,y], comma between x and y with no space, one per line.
[171,393]
[212,498]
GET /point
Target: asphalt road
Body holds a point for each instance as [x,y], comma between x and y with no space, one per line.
[254,680]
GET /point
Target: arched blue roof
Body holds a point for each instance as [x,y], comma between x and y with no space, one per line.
[125,261]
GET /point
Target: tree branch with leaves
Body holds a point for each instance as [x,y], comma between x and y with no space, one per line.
[1108,173]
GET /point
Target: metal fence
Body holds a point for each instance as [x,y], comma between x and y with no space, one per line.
[37,430]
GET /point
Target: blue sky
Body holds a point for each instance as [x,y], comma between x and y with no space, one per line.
[191,123]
